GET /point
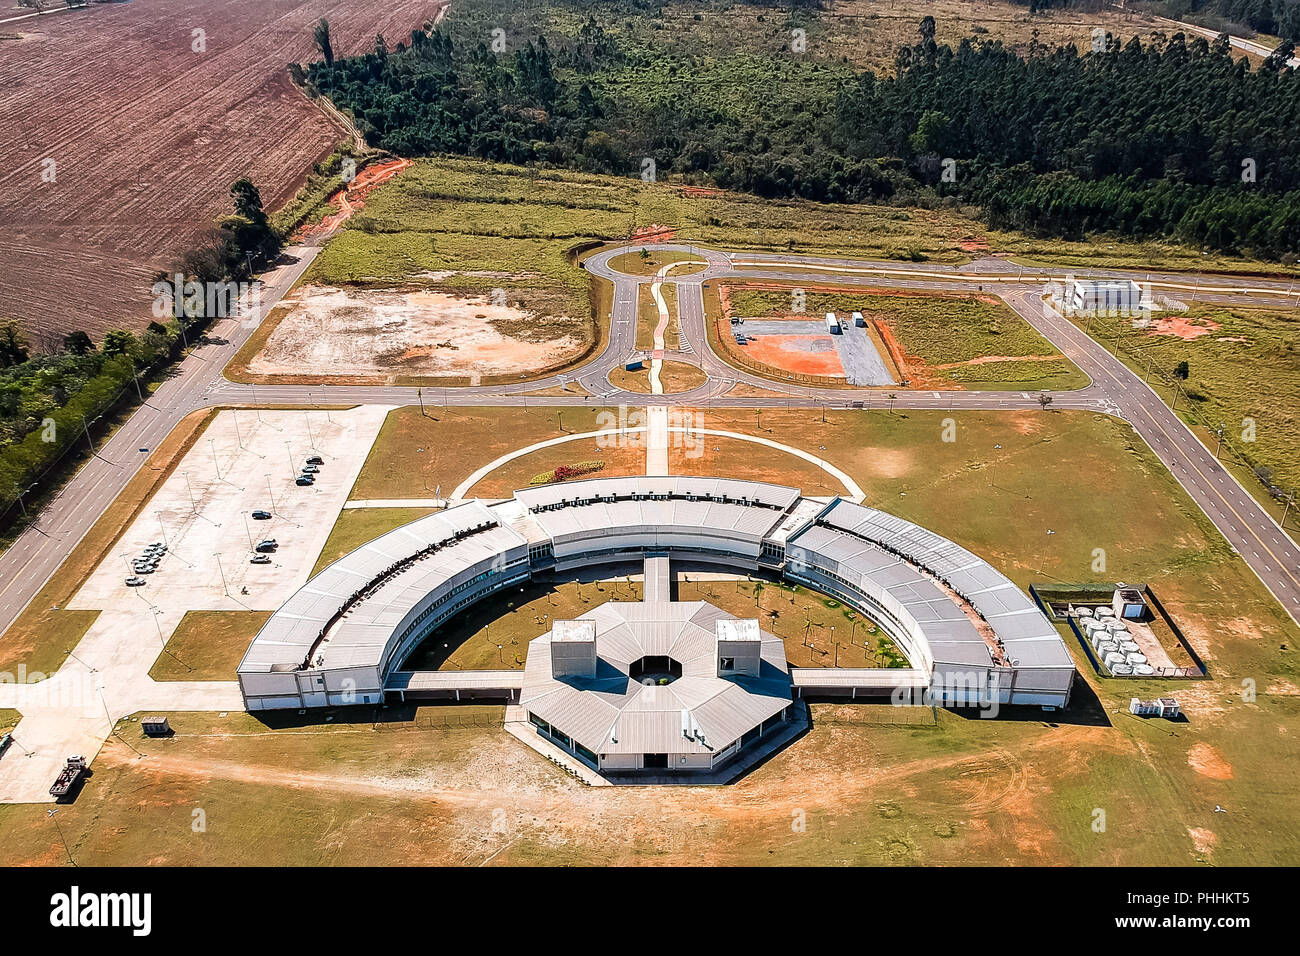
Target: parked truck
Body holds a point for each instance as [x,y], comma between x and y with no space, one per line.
[833,324]
[68,777]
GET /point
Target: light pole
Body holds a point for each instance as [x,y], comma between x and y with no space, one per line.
[213,448]
[224,586]
[50,813]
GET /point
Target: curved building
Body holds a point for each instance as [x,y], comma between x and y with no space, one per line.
[972,637]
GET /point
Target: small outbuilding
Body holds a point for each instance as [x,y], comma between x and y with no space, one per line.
[156,726]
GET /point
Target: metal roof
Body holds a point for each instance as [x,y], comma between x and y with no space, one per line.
[614,713]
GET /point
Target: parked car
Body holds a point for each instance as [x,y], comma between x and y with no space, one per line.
[315,460]
[305,480]
[310,469]
[266,546]
[134,581]
[260,559]
[260,515]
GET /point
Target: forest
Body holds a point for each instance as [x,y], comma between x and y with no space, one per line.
[1170,138]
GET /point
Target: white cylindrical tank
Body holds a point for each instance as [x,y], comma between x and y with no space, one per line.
[1105,648]
[1085,612]
[1103,611]
[1143,670]
[1135,657]
[1122,670]
[1128,647]
[1113,658]
[1115,624]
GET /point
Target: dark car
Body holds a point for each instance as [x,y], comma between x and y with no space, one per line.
[305,480]
[260,515]
[315,460]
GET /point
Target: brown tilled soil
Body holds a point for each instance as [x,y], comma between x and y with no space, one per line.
[147,135]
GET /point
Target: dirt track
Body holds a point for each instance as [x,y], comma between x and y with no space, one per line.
[147,135]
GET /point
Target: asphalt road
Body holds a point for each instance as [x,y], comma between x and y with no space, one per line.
[199,383]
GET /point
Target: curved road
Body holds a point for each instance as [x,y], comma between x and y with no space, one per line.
[198,383]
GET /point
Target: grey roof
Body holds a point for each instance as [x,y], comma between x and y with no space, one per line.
[613,713]
[353,613]
[309,619]
[873,547]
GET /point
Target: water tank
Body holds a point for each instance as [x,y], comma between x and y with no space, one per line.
[1143,670]
[1103,611]
[1135,657]
[1128,647]
[1113,658]
[1106,647]
[1122,670]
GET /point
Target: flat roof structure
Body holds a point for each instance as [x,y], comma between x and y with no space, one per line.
[676,705]
[971,636]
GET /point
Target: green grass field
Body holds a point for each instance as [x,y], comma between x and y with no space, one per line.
[1244,375]
[208,645]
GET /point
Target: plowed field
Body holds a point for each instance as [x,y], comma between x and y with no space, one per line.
[147,134]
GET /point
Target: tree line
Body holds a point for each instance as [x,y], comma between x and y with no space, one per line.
[1172,137]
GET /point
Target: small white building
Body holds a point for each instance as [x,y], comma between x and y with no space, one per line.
[1161,707]
[1107,297]
[833,324]
[1129,604]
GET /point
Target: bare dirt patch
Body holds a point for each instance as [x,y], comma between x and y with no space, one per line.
[388,333]
[1208,761]
[1183,327]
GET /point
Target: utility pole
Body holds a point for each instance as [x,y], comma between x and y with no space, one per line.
[224,586]
[50,813]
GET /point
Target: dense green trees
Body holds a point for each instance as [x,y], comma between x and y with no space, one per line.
[1171,138]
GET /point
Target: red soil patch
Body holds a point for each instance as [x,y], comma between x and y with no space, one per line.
[654,233]
[972,244]
[1183,327]
[351,198]
[783,352]
[1209,762]
[702,191]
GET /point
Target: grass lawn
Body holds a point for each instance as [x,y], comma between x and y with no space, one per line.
[810,624]
[648,318]
[615,458]
[416,454]
[208,645]
[1244,371]
[469,640]
[406,785]
[673,376]
[974,342]
[649,260]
